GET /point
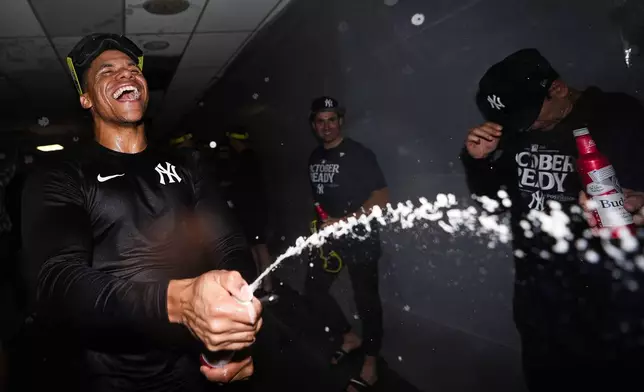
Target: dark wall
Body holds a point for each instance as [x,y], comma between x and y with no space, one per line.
[409,93]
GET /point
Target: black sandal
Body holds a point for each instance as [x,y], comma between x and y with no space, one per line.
[360,384]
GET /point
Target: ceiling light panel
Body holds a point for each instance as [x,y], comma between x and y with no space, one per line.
[17,20]
[27,54]
[153,44]
[274,13]
[212,49]
[139,21]
[234,15]
[77,18]
[50,147]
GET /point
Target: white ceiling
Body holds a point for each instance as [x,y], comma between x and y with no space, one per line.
[36,35]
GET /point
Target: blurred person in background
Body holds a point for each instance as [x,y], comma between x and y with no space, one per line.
[8,268]
[248,198]
[8,238]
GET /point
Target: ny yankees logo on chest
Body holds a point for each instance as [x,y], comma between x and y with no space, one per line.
[167,173]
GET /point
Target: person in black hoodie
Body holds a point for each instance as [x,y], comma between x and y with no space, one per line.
[571,314]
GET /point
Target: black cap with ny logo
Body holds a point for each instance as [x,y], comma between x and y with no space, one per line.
[512,92]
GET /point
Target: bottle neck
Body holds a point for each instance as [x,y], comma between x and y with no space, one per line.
[323,215]
[586,145]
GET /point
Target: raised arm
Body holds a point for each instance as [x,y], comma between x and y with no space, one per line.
[484,162]
[483,176]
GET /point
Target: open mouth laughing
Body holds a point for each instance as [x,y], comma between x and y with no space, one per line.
[127,93]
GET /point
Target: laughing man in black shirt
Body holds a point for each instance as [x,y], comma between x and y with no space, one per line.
[132,247]
[346,180]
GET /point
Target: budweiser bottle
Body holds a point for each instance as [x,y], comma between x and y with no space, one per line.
[321,213]
[600,183]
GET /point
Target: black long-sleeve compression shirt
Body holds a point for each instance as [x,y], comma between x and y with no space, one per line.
[107,231]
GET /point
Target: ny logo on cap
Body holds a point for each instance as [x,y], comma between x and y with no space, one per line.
[495,102]
[328,103]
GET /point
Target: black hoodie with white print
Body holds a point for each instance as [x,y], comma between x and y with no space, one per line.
[559,289]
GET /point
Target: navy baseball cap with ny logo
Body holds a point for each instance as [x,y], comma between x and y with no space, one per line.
[512,92]
[326,104]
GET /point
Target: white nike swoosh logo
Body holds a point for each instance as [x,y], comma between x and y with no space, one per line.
[106,178]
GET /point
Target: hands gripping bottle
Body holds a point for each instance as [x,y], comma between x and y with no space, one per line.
[219,359]
[600,183]
[332,261]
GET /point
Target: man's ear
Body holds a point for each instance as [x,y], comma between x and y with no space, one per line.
[559,89]
[85,101]
[341,121]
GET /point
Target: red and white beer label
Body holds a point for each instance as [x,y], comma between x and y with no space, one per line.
[608,198]
[611,211]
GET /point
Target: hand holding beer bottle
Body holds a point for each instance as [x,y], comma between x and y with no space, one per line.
[633,203]
[325,219]
[609,208]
